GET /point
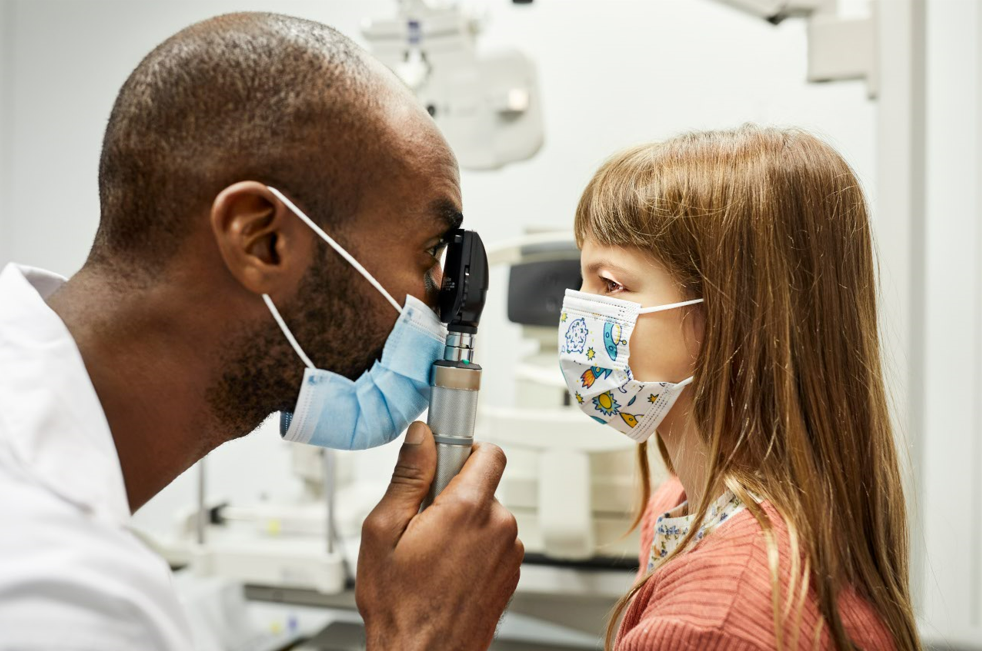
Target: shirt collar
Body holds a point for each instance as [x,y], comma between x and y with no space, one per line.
[673,526]
[680,515]
[51,419]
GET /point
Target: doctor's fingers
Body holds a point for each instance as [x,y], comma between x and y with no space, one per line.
[410,483]
[477,481]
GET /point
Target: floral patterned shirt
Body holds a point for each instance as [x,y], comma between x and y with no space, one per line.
[672,527]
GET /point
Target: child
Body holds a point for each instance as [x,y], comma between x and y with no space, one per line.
[757,370]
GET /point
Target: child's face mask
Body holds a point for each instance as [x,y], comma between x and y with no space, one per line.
[594,331]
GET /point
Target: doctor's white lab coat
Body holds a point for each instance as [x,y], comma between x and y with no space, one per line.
[72,576]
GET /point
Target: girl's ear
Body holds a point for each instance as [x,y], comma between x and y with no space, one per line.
[694,329]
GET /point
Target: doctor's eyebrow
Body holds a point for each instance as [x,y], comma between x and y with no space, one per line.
[446,212]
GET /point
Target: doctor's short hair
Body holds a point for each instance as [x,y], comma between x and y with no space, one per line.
[248,96]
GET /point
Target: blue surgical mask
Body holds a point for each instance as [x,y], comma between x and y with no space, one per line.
[335,412]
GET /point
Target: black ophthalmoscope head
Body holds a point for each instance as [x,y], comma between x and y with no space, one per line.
[465,282]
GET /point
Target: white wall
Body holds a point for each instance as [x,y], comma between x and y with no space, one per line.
[951,465]
[5,42]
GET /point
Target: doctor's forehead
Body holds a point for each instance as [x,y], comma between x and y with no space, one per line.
[418,149]
[429,194]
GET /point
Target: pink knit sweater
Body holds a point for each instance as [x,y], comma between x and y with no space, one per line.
[717,595]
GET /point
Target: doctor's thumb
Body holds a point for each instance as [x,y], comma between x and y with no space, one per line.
[410,480]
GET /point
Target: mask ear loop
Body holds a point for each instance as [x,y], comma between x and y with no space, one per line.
[286,331]
[670,306]
[337,247]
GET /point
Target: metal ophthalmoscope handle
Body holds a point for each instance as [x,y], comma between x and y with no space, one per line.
[453,410]
[456,380]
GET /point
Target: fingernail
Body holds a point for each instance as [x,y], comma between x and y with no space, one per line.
[415,434]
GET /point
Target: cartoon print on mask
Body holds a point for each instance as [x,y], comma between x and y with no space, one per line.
[593,374]
[595,359]
[576,336]
[606,404]
[612,338]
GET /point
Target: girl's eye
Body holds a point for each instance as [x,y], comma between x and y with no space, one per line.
[611,285]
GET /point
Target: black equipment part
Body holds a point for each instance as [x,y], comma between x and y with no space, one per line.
[536,290]
[465,282]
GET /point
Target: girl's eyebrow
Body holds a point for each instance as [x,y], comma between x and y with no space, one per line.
[595,267]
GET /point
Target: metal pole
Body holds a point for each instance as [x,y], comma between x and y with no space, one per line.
[202,520]
[329,493]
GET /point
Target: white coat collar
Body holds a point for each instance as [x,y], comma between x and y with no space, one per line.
[51,419]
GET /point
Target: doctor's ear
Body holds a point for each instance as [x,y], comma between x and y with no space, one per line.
[265,247]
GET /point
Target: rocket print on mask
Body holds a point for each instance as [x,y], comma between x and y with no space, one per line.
[593,374]
[612,339]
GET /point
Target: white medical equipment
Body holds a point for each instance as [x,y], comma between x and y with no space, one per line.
[838,48]
[488,106]
[293,544]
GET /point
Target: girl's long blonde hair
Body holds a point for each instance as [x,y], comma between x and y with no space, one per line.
[770,228]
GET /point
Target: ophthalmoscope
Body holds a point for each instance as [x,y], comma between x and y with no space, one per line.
[456,379]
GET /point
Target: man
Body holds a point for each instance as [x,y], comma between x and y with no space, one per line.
[162,347]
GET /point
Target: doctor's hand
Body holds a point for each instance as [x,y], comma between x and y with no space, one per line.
[439,579]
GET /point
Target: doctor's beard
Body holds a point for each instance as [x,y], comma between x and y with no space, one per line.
[336,321]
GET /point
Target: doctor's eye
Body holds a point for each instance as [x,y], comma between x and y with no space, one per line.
[438,252]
